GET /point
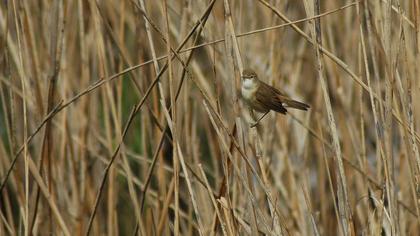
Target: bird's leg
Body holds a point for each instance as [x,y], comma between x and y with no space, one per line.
[259,119]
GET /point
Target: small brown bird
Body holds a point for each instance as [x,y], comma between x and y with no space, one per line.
[262,97]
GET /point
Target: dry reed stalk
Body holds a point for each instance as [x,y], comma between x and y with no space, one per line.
[124,156]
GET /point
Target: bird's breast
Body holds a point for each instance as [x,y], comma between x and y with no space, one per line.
[248,90]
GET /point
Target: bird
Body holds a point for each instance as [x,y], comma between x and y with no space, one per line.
[263,98]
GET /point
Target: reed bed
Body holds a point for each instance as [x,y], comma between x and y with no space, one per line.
[126,118]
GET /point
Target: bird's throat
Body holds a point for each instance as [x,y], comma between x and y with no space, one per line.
[249,88]
[249,84]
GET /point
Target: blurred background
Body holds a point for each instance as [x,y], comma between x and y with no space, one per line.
[125,117]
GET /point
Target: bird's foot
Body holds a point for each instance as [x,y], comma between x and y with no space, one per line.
[254,124]
[259,119]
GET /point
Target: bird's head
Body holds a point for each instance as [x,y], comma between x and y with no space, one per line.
[249,79]
[248,74]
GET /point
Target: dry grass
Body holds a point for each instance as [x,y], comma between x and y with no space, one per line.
[125,117]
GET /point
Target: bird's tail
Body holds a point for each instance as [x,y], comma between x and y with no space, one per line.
[295,104]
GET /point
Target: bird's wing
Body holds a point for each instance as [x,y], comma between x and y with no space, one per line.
[273,89]
[269,97]
[284,100]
